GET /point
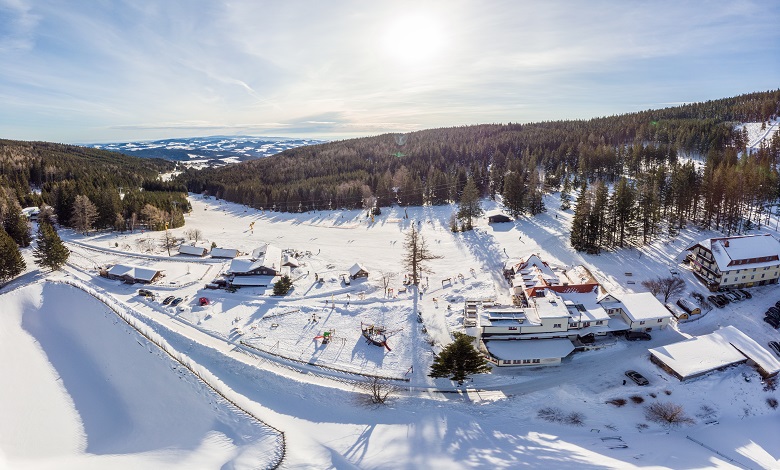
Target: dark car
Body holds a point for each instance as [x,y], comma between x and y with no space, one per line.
[777,304]
[638,336]
[716,301]
[723,299]
[774,346]
[774,323]
[747,294]
[176,301]
[774,310]
[145,293]
[774,313]
[638,378]
[168,300]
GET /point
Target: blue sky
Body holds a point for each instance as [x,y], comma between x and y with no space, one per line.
[94,71]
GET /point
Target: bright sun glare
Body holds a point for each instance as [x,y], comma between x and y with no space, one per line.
[413,38]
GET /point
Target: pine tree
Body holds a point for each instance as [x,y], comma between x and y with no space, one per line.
[15,225]
[514,194]
[459,360]
[566,194]
[283,285]
[623,210]
[469,207]
[49,252]
[11,262]
[84,214]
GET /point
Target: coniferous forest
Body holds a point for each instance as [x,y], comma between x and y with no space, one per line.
[628,178]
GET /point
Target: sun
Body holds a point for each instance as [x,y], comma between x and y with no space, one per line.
[413,39]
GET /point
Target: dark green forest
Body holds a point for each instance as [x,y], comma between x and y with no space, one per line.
[41,173]
[638,155]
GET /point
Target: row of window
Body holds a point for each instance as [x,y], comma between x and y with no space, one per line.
[642,322]
[523,361]
[736,278]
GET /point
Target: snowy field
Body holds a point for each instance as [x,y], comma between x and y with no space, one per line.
[327,423]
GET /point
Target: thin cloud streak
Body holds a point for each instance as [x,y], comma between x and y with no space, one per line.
[136,70]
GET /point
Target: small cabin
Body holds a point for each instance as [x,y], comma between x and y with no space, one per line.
[357,271]
[497,217]
[130,274]
[688,306]
[193,250]
[229,253]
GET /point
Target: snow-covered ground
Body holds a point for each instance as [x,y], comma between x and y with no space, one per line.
[326,421]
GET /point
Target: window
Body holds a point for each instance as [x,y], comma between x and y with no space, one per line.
[557,325]
[600,322]
[512,328]
[526,361]
[516,361]
[642,322]
[752,277]
[536,361]
[660,320]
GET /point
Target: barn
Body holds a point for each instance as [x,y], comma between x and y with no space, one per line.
[357,271]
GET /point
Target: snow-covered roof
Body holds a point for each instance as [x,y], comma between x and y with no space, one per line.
[134,272]
[288,260]
[356,268]
[224,252]
[248,281]
[698,355]
[267,256]
[193,250]
[643,306]
[749,251]
[530,349]
[534,272]
[748,347]
[29,211]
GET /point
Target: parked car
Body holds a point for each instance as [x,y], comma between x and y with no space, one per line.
[203,301]
[723,299]
[145,293]
[747,294]
[775,347]
[732,296]
[773,322]
[773,312]
[777,304]
[638,378]
[588,339]
[716,301]
[638,336]
[167,300]
[176,301]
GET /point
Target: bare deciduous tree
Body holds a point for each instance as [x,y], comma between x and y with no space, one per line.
[379,390]
[666,286]
[145,245]
[667,413]
[168,241]
[417,253]
[387,277]
[194,234]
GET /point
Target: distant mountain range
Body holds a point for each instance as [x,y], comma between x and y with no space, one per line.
[211,151]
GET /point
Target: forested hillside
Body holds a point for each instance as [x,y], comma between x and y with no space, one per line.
[36,173]
[641,152]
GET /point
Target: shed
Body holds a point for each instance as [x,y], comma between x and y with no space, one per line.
[357,271]
[497,217]
[251,281]
[193,250]
[528,352]
[224,253]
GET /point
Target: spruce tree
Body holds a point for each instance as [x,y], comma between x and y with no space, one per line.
[15,225]
[11,262]
[283,285]
[49,252]
[459,360]
[84,214]
[514,194]
[469,207]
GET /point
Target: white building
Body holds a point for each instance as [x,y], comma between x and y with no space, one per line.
[641,311]
[736,262]
[131,274]
[265,260]
[224,253]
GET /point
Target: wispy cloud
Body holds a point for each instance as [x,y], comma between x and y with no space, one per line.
[115,70]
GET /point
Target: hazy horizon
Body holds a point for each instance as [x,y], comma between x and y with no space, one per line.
[119,72]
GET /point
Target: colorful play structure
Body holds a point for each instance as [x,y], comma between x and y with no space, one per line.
[326,336]
[375,335]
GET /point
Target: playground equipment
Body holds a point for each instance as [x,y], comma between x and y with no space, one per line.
[326,336]
[375,335]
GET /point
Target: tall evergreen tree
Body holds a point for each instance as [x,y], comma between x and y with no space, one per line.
[514,194]
[49,251]
[623,210]
[11,262]
[15,224]
[459,360]
[469,207]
